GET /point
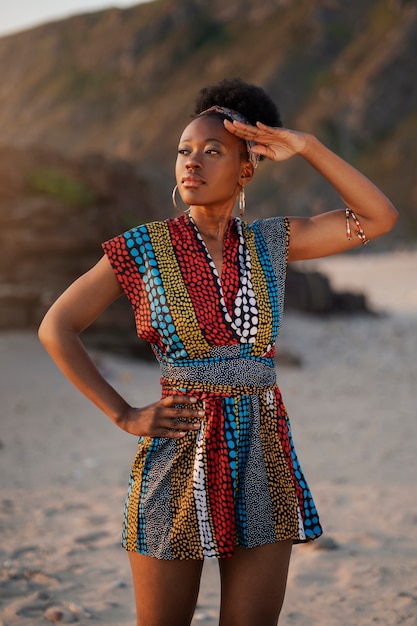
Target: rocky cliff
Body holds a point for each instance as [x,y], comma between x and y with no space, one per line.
[54,212]
[91,109]
[122,83]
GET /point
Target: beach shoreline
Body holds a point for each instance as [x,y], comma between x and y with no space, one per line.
[352,401]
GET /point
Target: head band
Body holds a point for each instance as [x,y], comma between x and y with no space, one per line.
[238,117]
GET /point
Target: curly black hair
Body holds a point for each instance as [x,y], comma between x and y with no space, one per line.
[249,100]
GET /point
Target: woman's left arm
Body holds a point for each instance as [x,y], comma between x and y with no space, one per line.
[324,234]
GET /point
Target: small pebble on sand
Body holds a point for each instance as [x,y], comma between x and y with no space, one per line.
[53,614]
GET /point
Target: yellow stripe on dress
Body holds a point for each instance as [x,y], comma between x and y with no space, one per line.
[135,494]
[179,301]
[185,537]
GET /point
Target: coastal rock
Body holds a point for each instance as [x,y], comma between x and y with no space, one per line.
[54,213]
[312,292]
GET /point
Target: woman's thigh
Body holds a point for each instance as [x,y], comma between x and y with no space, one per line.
[253,583]
[165,591]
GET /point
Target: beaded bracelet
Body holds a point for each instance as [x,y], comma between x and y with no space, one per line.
[359,232]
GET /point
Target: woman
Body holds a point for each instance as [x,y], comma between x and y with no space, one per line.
[216,474]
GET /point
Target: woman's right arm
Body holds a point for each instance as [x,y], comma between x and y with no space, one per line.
[59,333]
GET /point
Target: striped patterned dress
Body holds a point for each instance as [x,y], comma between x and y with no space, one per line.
[236,481]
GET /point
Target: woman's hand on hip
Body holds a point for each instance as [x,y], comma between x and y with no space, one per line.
[276,144]
[171,417]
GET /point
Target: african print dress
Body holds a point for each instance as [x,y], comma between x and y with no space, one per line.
[236,481]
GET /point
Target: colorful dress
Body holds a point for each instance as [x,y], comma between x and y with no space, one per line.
[236,481]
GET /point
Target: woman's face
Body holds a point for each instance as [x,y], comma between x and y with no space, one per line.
[211,164]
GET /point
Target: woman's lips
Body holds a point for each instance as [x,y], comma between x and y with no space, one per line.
[192,182]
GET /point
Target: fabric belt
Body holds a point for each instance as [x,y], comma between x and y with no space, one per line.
[229,377]
[230,372]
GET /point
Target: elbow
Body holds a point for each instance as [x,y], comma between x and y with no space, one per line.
[391,218]
[388,217]
[395,216]
[51,330]
[45,331]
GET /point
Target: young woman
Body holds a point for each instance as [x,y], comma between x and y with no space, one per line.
[216,474]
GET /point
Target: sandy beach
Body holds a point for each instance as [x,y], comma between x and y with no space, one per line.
[353,406]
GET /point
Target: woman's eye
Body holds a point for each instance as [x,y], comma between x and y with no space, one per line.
[185,151]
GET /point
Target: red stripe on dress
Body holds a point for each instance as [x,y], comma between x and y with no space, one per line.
[220,491]
[127,273]
[201,283]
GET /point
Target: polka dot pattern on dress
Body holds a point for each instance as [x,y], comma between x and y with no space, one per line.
[237,480]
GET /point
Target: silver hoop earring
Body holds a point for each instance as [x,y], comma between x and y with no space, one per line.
[174,202]
[242,202]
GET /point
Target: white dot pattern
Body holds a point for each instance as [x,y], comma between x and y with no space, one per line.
[245,314]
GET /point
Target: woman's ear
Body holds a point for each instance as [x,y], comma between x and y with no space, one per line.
[246,173]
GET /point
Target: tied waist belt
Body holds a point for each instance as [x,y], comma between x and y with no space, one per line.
[229,377]
[202,390]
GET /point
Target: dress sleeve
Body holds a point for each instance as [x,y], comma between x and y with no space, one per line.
[276,234]
[125,266]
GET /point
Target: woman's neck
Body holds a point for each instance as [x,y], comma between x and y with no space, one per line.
[212,227]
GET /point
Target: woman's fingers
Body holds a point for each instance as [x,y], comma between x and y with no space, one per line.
[172,416]
[177,399]
[176,427]
[263,134]
[276,144]
[178,415]
[178,424]
[260,132]
[180,412]
[244,131]
[178,407]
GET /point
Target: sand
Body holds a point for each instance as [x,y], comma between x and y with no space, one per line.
[353,406]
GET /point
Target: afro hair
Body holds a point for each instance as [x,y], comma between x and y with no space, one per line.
[248,100]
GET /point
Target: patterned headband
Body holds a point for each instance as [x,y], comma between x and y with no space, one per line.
[238,117]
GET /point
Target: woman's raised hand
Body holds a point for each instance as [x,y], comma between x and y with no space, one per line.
[276,144]
[171,417]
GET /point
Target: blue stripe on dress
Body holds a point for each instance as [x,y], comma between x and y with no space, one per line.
[142,543]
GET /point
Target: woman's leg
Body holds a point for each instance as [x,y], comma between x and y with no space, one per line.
[253,585]
[165,591]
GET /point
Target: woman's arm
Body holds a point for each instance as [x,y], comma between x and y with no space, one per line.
[323,234]
[59,332]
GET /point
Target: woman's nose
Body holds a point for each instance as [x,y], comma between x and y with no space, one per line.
[193,162]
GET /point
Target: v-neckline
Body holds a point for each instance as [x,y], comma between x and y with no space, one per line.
[244,318]
[218,276]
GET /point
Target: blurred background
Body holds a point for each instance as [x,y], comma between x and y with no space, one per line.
[93,102]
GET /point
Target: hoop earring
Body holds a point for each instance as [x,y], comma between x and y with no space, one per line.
[242,201]
[174,202]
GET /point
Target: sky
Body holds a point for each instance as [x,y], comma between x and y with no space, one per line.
[16,15]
